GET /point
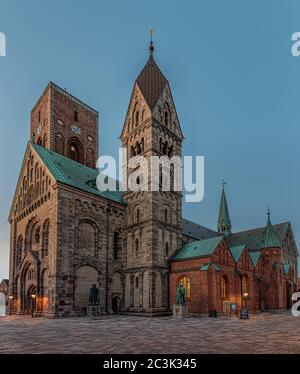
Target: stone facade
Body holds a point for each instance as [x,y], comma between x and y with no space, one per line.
[66,236]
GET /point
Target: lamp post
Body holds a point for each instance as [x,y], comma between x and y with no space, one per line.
[244,311]
[10,301]
[33,297]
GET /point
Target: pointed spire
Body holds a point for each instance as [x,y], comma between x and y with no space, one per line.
[269,238]
[151,80]
[224,223]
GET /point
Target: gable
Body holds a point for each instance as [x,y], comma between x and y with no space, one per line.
[252,238]
[165,104]
[137,108]
[33,181]
[199,248]
[74,174]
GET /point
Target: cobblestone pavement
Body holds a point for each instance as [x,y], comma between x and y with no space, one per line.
[264,333]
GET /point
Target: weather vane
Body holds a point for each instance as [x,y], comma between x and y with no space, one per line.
[151,35]
[223,183]
[151,47]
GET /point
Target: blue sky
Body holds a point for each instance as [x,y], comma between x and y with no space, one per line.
[235,84]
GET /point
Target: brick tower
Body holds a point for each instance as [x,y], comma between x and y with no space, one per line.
[66,125]
[153,226]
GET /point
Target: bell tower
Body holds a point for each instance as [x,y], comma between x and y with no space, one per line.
[61,122]
[153,226]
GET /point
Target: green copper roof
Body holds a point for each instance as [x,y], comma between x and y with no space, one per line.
[237,252]
[254,257]
[286,268]
[269,238]
[252,238]
[205,267]
[224,223]
[199,248]
[74,174]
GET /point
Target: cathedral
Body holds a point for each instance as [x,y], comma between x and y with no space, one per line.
[135,246]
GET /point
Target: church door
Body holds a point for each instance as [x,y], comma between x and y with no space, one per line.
[116,305]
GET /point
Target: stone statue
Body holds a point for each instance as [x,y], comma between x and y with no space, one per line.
[94,296]
[180,294]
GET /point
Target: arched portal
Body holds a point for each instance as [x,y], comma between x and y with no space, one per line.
[85,277]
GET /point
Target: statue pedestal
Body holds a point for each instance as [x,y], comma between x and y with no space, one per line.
[180,311]
[94,311]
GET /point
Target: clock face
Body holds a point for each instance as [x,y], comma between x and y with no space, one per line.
[39,130]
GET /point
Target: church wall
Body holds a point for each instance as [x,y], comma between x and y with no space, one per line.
[85,239]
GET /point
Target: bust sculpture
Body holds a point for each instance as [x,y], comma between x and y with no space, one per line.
[180,294]
[94,296]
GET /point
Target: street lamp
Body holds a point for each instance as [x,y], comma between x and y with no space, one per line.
[246,299]
[33,297]
[10,301]
[244,311]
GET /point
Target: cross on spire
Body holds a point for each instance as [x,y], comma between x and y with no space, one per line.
[223,183]
[151,46]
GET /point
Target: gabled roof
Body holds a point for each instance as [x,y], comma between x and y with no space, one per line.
[74,174]
[237,252]
[252,238]
[255,256]
[269,238]
[195,231]
[205,267]
[151,82]
[199,248]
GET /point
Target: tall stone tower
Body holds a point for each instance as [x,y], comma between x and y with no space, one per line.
[153,226]
[61,122]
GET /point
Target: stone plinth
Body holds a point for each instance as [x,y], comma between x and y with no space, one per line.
[180,311]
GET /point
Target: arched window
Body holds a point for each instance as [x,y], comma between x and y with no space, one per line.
[142,145]
[245,284]
[37,235]
[87,242]
[166,215]
[19,250]
[138,148]
[136,282]
[45,141]
[116,245]
[136,246]
[137,118]
[160,145]
[167,249]
[224,288]
[166,118]
[137,216]
[75,151]
[90,158]
[60,144]
[45,238]
[187,286]
[75,116]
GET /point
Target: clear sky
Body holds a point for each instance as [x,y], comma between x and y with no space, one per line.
[234,81]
